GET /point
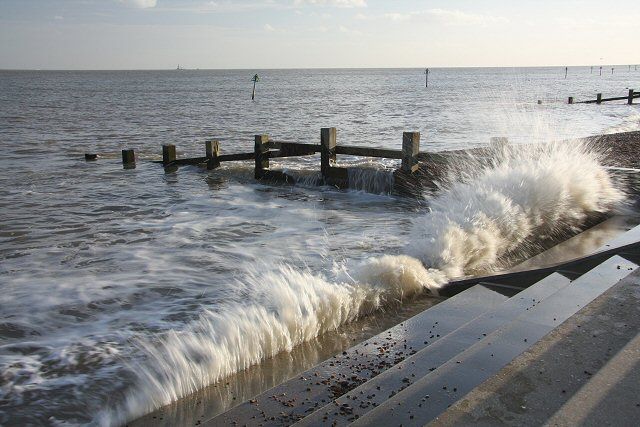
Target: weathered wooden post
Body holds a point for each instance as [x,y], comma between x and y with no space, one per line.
[261,150]
[630,99]
[212,153]
[570,100]
[426,83]
[90,157]
[600,70]
[328,142]
[128,159]
[599,98]
[168,154]
[255,79]
[410,150]
[566,71]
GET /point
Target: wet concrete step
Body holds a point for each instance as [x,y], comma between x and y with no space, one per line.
[432,394]
[376,391]
[296,398]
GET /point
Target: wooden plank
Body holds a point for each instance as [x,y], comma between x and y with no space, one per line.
[369,152]
[596,101]
[290,149]
[189,161]
[236,157]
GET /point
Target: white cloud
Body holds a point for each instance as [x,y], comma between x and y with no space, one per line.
[336,3]
[448,17]
[459,17]
[269,28]
[140,4]
[58,17]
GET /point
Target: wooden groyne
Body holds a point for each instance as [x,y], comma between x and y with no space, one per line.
[599,99]
[408,178]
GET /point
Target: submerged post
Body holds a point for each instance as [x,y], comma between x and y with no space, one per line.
[90,157]
[570,100]
[261,150]
[410,150]
[630,99]
[328,142]
[212,153]
[599,98]
[168,154]
[128,159]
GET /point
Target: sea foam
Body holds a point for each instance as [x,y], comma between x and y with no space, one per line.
[487,209]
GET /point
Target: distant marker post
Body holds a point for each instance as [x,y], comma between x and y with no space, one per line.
[566,71]
[426,82]
[255,79]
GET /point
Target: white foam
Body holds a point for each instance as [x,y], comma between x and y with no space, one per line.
[483,213]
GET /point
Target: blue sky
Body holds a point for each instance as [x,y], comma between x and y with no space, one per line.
[158,34]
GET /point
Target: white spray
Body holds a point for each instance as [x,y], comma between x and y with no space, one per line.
[483,213]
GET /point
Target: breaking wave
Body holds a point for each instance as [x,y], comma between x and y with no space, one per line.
[488,208]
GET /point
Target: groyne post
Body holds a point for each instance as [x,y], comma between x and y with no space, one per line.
[570,101]
[328,142]
[168,154]
[90,157]
[261,150]
[128,159]
[212,149]
[630,99]
[410,150]
[599,98]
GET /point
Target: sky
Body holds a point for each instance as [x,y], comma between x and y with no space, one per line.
[258,34]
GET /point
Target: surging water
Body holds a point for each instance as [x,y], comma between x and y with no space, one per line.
[527,194]
[123,290]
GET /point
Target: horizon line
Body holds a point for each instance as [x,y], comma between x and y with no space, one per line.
[323,68]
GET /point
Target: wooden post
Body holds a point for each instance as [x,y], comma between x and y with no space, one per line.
[600,70]
[261,151]
[630,99]
[128,159]
[599,98]
[570,100]
[212,153]
[566,71]
[410,149]
[168,154]
[328,142]
[90,157]
[426,83]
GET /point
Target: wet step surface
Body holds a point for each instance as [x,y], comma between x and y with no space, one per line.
[293,400]
[365,398]
[432,394]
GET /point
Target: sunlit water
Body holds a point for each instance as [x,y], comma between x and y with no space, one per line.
[122,290]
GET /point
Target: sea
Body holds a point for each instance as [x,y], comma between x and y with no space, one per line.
[123,291]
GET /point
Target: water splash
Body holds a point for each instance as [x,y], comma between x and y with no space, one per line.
[488,208]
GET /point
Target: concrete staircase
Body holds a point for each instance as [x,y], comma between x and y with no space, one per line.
[414,372]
